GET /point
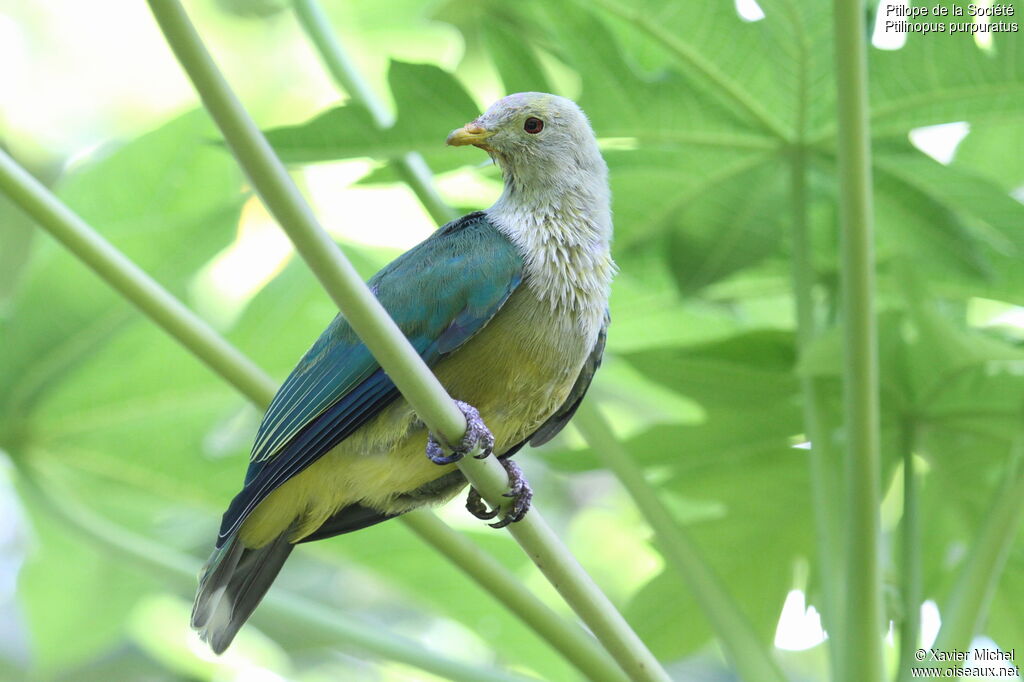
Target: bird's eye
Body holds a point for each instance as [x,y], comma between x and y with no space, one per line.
[533,125]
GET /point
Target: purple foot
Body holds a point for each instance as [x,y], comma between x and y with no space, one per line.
[477,433]
[519,491]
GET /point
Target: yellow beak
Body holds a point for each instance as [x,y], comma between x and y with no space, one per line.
[471,133]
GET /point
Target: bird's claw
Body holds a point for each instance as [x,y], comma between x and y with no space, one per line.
[477,433]
[477,507]
[519,490]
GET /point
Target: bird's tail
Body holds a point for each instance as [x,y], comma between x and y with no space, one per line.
[232,583]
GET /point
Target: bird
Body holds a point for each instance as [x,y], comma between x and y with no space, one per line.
[507,306]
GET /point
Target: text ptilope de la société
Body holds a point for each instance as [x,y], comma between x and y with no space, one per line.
[898,19]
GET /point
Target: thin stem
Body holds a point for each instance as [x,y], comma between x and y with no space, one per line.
[278,608]
[823,477]
[410,167]
[317,26]
[861,648]
[964,612]
[910,524]
[745,652]
[415,172]
[578,647]
[823,483]
[227,361]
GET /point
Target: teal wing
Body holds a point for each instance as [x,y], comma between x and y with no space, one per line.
[440,293]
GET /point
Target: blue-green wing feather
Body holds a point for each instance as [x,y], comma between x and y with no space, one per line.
[440,293]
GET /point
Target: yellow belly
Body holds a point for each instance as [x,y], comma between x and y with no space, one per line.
[517,371]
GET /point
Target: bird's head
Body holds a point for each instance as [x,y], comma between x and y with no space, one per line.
[535,137]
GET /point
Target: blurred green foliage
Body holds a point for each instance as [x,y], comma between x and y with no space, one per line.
[700,113]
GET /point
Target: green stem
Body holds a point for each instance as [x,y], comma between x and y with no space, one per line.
[410,167]
[824,480]
[387,343]
[748,656]
[861,645]
[278,608]
[188,329]
[964,611]
[820,457]
[578,647]
[415,172]
[910,634]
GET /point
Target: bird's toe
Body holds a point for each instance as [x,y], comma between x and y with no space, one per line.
[435,453]
[477,507]
[520,492]
[477,435]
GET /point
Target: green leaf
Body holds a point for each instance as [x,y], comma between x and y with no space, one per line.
[671,631]
[983,220]
[700,101]
[749,370]
[18,236]
[76,599]
[648,312]
[1004,626]
[984,151]
[168,200]
[724,231]
[426,580]
[652,191]
[939,78]
[756,567]
[430,103]
[514,58]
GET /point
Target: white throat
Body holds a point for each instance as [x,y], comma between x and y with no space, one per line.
[563,230]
